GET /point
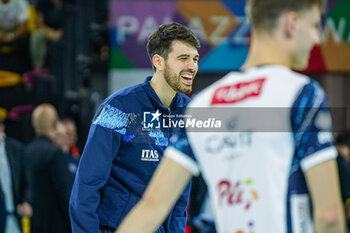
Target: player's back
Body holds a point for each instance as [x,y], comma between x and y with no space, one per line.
[252,169]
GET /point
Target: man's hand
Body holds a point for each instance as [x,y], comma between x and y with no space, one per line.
[25,209]
[2,37]
[54,35]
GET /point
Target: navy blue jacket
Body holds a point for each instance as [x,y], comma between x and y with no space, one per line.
[119,158]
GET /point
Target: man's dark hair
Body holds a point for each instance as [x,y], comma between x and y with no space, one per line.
[263,14]
[159,42]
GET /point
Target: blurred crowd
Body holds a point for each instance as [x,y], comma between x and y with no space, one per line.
[32,45]
[39,121]
[44,58]
[36,179]
[29,34]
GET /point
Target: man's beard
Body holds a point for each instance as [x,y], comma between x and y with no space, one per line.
[173,81]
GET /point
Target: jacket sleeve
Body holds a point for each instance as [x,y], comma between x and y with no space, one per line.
[102,145]
[179,214]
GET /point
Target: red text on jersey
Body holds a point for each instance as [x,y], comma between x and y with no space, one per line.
[237,92]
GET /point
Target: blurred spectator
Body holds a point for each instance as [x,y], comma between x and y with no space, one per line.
[72,138]
[13,35]
[50,22]
[204,222]
[14,183]
[61,137]
[50,176]
[200,217]
[62,140]
[2,211]
[343,147]
[197,197]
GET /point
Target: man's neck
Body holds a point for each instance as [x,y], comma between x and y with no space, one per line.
[267,50]
[164,92]
[49,134]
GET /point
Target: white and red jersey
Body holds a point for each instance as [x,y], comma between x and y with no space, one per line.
[255,177]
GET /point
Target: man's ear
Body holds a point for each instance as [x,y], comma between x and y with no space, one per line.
[290,21]
[158,62]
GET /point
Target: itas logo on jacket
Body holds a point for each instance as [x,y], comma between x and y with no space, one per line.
[237,92]
[150,155]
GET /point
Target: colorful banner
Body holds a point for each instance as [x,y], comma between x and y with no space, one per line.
[223,30]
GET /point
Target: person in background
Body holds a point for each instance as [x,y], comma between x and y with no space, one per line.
[204,221]
[343,148]
[14,181]
[49,174]
[342,142]
[200,216]
[14,54]
[72,134]
[50,26]
[121,153]
[62,139]
[13,19]
[259,180]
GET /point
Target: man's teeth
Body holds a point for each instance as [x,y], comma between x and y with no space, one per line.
[187,76]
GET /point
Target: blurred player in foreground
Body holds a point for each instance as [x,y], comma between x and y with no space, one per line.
[283,181]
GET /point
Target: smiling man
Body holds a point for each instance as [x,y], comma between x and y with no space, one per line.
[122,152]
